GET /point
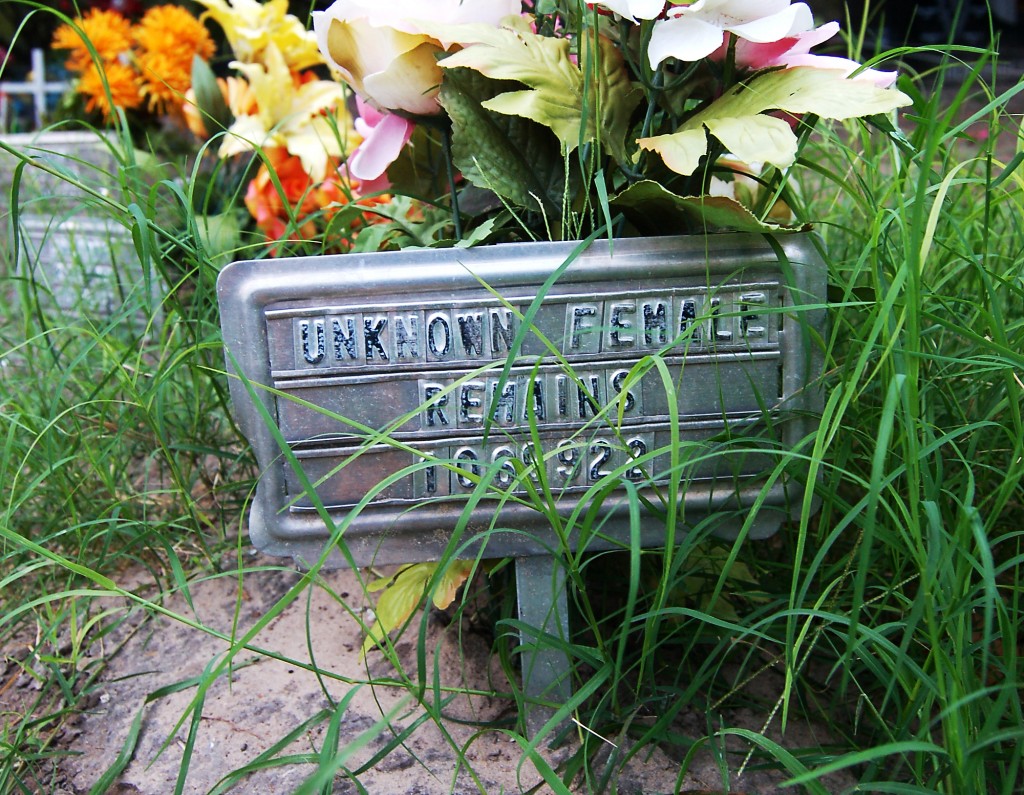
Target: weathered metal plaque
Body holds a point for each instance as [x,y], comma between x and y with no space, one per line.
[395,399]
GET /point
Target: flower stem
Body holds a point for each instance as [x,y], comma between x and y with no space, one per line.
[446,142]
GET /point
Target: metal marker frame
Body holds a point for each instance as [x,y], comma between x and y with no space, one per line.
[256,295]
[413,346]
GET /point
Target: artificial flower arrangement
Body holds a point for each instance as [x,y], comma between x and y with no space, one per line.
[143,67]
[276,107]
[520,120]
[561,116]
[282,134]
[561,119]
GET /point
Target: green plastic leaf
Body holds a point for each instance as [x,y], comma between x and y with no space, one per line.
[753,139]
[737,117]
[403,593]
[884,123]
[655,210]
[616,97]
[220,235]
[823,92]
[401,596]
[209,98]
[512,156]
[540,62]
[558,95]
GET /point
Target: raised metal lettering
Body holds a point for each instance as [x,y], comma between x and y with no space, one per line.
[589,395]
[503,333]
[435,403]
[530,462]
[467,454]
[655,321]
[617,323]
[469,401]
[439,336]
[749,327]
[407,344]
[579,326]
[687,320]
[371,335]
[503,407]
[506,474]
[537,392]
[602,451]
[617,381]
[314,346]
[342,341]
[430,481]
[568,462]
[637,448]
[718,333]
[472,334]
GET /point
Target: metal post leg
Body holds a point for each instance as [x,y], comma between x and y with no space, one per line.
[543,609]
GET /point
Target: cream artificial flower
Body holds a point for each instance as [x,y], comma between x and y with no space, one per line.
[291,115]
[251,27]
[634,9]
[382,50]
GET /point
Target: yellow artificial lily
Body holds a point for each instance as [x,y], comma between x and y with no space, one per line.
[251,27]
[291,114]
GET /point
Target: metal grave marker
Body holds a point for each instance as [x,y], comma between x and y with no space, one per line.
[379,390]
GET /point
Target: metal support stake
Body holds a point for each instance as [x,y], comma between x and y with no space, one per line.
[543,610]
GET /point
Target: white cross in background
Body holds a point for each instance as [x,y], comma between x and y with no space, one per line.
[36,86]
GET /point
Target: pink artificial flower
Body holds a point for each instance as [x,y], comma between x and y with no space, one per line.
[795,51]
[384,135]
[695,31]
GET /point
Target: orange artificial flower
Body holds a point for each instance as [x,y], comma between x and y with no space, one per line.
[168,37]
[311,204]
[165,81]
[298,196]
[109,32]
[173,30]
[122,81]
[237,96]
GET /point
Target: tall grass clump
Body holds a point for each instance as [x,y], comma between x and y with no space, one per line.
[118,450]
[907,589]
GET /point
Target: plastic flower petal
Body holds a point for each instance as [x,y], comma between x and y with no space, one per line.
[410,16]
[122,81]
[695,31]
[761,55]
[384,136]
[168,38]
[383,51]
[633,9]
[795,51]
[109,32]
[291,115]
[251,27]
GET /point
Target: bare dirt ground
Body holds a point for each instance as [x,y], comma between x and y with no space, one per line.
[152,664]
